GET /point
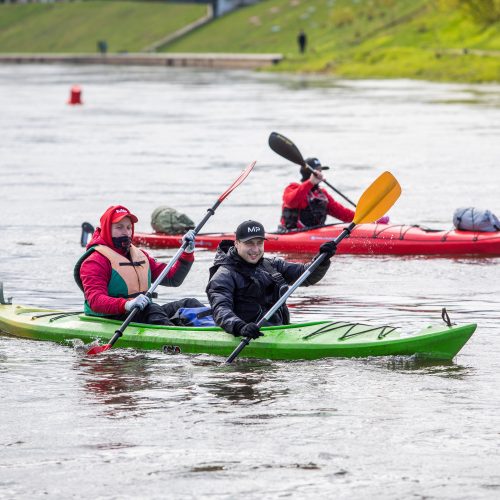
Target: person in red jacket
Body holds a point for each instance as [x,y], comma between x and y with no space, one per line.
[114,275]
[306,204]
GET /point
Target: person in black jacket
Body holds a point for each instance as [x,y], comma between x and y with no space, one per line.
[244,284]
[302,41]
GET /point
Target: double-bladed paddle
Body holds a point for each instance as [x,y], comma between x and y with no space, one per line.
[377,199]
[288,150]
[118,333]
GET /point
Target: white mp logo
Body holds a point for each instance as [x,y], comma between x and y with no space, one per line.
[254,229]
[120,211]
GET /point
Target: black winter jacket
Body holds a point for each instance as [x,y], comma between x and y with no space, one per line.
[241,293]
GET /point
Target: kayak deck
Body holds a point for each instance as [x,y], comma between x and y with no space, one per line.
[313,340]
[365,239]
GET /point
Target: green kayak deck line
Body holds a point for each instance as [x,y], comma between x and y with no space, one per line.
[318,339]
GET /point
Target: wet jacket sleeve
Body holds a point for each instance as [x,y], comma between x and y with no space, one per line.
[335,209]
[177,274]
[95,274]
[220,292]
[295,194]
[291,271]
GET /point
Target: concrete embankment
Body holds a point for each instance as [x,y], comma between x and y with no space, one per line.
[216,60]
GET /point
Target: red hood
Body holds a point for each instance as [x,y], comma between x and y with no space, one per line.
[102,234]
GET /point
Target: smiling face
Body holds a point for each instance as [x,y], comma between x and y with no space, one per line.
[121,228]
[250,251]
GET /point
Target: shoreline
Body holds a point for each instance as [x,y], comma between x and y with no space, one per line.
[214,60]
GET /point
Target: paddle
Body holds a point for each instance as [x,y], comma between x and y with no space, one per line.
[377,199]
[287,149]
[87,232]
[175,258]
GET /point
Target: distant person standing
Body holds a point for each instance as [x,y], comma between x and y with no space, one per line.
[302,41]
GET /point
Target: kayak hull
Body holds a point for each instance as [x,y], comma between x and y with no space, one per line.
[365,239]
[313,340]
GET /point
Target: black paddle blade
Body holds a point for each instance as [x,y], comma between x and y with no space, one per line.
[285,148]
[87,232]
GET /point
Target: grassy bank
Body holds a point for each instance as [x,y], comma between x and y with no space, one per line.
[364,38]
[353,38]
[77,26]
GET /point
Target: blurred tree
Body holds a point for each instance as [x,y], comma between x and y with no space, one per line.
[482,11]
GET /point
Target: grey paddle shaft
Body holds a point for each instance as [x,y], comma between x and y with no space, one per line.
[167,269]
[287,149]
[314,264]
[149,293]
[269,314]
[162,275]
[330,186]
[179,252]
[281,301]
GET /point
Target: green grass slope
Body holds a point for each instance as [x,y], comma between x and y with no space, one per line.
[359,38]
[77,26]
[427,39]
[272,25]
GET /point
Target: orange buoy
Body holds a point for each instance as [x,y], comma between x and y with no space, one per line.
[75,96]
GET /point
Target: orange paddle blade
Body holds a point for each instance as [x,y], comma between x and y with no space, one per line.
[377,199]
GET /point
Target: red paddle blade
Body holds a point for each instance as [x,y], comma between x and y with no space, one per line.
[237,182]
[98,349]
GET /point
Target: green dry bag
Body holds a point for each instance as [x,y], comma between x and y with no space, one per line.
[168,220]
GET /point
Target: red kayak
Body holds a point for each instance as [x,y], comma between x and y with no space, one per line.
[366,239]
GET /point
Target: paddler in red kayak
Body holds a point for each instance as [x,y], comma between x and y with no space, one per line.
[306,204]
[114,275]
[244,284]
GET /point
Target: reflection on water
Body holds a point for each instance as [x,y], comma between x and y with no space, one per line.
[244,382]
[132,384]
[118,381]
[417,366]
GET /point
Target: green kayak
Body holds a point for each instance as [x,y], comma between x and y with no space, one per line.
[317,339]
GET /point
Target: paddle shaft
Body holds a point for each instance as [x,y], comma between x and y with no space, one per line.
[175,258]
[288,150]
[315,263]
[330,186]
[149,293]
[166,270]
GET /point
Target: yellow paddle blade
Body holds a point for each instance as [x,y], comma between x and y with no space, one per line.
[377,199]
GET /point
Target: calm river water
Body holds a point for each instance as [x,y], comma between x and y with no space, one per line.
[144,425]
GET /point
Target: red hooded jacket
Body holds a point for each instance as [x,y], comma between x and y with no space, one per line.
[295,196]
[95,271]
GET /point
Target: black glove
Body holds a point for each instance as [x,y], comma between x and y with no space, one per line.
[329,248]
[251,331]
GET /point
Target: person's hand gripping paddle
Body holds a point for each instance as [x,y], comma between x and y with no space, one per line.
[100,348]
[288,150]
[377,199]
